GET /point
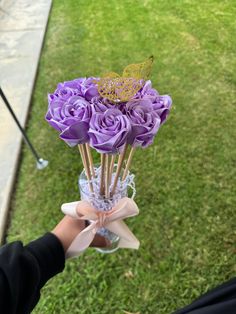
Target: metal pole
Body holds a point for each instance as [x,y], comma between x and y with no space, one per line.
[41,163]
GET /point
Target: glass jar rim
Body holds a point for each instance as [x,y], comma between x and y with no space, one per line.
[83,177]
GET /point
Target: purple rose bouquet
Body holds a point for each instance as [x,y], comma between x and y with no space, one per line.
[86,119]
[113,126]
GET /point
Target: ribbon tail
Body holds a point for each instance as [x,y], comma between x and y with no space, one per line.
[82,241]
[70,209]
[127,238]
[126,207]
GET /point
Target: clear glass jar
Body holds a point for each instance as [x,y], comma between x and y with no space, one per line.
[102,204]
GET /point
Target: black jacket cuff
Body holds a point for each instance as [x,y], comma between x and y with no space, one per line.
[50,255]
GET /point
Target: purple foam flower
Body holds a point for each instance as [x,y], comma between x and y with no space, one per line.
[108,131]
[161,103]
[61,93]
[144,122]
[147,92]
[161,106]
[83,87]
[74,102]
[89,88]
[100,104]
[71,118]
[74,84]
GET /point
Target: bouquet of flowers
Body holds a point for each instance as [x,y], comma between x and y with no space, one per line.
[113,115]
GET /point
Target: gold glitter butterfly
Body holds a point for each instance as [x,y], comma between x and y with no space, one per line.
[122,88]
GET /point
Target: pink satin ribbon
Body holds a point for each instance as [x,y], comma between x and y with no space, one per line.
[111,220]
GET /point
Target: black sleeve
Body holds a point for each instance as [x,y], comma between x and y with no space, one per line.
[25,269]
[220,300]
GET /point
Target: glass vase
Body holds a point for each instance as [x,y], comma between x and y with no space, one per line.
[102,204]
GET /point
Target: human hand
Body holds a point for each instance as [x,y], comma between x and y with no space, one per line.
[68,228]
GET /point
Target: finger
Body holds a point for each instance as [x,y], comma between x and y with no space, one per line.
[100,241]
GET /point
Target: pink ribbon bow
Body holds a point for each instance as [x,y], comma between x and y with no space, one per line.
[111,220]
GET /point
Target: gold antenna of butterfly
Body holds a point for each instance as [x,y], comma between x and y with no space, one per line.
[123,88]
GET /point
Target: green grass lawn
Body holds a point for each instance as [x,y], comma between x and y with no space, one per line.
[186,187]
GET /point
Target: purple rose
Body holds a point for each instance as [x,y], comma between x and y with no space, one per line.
[67,89]
[161,106]
[100,104]
[74,84]
[89,88]
[71,118]
[147,91]
[83,87]
[144,122]
[108,131]
[61,93]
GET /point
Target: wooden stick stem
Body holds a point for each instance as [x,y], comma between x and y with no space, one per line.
[118,170]
[131,153]
[81,153]
[111,167]
[90,157]
[120,158]
[102,174]
[107,175]
[86,165]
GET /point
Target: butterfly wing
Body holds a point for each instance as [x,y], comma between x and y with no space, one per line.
[139,70]
[106,85]
[119,89]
